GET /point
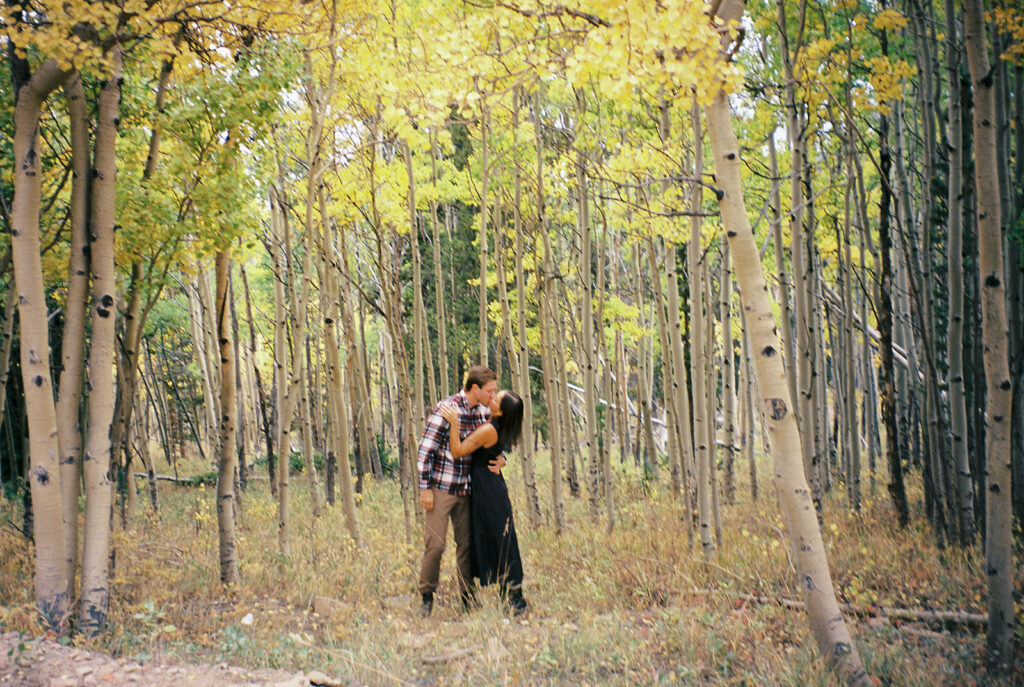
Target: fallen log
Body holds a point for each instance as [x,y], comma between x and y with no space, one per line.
[885,613]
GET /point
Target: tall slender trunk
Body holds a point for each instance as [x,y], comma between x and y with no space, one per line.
[955,335]
[338,410]
[526,444]
[589,357]
[439,298]
[51,585]
[545,289]
[897,490]
[998,411]
[698,352]
[95,596]
[283,402]
[228,416]
[484,182]
[728,378]
[830,631]
[69,425]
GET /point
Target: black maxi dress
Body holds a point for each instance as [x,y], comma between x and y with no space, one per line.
[495,547]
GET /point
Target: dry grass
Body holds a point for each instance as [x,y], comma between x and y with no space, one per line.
[637,606]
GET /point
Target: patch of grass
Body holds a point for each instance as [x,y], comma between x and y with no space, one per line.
[640,605]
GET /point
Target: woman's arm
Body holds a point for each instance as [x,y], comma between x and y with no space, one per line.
[484,435]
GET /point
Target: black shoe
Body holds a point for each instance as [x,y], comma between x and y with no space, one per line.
[517,603]
[427,605]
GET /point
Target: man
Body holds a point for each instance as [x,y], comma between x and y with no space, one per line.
[444,485]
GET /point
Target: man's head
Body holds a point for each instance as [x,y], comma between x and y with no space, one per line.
[481,382]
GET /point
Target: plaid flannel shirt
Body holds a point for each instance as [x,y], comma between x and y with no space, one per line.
[437,467]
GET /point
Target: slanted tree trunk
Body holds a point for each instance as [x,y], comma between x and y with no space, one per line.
[51,586]
[95,596]
[228,415]
[998,411]
[814,578]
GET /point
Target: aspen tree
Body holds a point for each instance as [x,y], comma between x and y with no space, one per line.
[69,425]
[607,478]
[998,411]
[728,376]
[589,351]
[698,352]
[484,182]
[51,587]
[228,430]
[955,259]
[281,385]
[95,595]
[419,319]
[439,298]
[337,409]
[526,445]
[815,582]
[544,296]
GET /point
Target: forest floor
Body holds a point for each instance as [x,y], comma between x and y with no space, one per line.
[46,663]
[639,605]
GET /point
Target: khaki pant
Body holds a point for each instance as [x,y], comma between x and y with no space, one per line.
[436,530]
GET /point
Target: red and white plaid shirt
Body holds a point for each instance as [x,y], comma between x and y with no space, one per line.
[437,467]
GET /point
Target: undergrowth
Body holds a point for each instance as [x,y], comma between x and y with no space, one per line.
[641,605]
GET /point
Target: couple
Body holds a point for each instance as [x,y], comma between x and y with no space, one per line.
[461,452]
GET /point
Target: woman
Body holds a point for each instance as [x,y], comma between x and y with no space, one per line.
[495,547]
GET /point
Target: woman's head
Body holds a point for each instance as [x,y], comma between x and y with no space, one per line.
[509,407]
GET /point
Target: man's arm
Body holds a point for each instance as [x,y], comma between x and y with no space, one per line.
[430,443]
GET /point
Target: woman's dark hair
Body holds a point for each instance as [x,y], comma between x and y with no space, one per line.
[511,420]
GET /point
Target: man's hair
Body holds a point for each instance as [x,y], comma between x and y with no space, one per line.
[479,375]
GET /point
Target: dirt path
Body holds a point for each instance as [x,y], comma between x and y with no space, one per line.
[45,663]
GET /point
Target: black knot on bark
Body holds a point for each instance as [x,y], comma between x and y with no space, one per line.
[776,408]
[38,380]
[730,233]
[992,280]
[719,193]
[1005,385]
[730,156]
[768,351]
[994,488]
[107,301]
[102,312]
[40,475]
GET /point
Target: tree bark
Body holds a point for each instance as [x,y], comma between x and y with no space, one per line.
[955,335]
[827,625]
[228,415]
[995,335]
[95,596]
[52,593]
[69,425]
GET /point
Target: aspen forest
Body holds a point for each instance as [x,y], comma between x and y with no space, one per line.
[754,267]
